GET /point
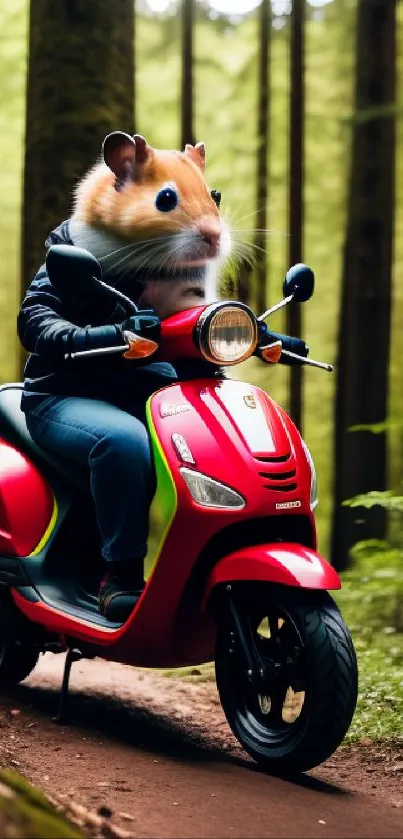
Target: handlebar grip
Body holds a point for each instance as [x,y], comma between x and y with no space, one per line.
[289,344]
[295,345]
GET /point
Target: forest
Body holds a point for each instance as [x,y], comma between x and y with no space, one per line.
[225,116]
[304,139]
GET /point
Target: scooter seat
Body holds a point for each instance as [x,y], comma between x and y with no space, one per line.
[13,429]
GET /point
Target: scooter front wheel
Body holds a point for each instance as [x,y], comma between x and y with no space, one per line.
[296,711]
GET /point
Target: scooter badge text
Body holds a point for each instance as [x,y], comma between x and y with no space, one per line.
[173,410]
[288,505]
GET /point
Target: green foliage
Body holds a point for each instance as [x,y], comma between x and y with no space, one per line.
[371,601]
[386,499]
[225,110]
[226,90]
[379,427]
[25,812]
[13,57]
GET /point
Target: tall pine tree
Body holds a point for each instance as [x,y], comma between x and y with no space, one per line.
[364,334]
[80,87]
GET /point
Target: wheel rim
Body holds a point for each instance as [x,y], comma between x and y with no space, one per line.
[274,717]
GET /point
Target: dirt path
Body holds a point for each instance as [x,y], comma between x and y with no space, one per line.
[148,756]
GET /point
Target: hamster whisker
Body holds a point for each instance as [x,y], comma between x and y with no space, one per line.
[242,249]
[269,230]
[236,259]
[134,246]
[136,254]
[165,253]
[246,247]
[180,245]
[155,259]
[229,217]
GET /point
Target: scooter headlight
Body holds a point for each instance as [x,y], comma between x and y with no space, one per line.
[210,493]
[226,333]
[314,481]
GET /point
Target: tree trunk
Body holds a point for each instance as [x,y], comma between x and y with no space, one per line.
[80,87]
[187,127]
[296,189]
[363,352]
[262,153]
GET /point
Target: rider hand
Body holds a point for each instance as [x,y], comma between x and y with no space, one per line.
[144,323]
[142,332]
[294,345]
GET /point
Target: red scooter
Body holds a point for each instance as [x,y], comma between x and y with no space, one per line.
[233,574]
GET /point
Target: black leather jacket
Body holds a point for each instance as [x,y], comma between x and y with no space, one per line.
[49,326]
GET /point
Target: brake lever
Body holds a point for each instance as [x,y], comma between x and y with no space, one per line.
[100,351]
[310,361]
[137,347]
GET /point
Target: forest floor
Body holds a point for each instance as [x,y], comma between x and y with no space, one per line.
[151,756]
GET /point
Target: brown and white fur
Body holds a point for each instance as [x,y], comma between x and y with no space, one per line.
[176,254]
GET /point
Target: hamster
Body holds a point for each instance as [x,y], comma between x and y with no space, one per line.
[149,214]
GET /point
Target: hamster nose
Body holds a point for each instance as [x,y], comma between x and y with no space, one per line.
[210,231]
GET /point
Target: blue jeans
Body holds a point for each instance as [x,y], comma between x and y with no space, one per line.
[115,445]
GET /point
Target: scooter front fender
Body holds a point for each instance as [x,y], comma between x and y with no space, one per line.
[281,562]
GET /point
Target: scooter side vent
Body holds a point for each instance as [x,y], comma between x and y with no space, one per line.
[280,481]
[278,476]
[274,459]
[281,487]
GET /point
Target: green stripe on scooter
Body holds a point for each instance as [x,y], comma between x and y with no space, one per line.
[164,503]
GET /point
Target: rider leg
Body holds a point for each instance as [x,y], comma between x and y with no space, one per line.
[115,445]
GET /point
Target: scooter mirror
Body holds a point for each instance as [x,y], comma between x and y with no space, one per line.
[71,268]
[299,282]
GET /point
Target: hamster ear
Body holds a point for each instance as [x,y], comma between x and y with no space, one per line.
[143,150]
[197,153]
[122,153]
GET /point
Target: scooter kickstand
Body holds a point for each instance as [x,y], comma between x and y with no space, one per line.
[72,655]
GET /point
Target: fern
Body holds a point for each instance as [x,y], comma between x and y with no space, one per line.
[386,499]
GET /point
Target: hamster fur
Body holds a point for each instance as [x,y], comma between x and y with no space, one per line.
[150,212]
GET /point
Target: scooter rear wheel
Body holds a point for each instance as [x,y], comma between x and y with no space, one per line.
[301,713]
[18,655]
[16,663]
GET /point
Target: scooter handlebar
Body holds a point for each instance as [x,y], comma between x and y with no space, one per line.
[289,344]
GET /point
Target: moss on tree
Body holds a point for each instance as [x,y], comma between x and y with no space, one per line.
[25,812]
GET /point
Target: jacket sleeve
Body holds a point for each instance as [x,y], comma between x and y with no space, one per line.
[42,325]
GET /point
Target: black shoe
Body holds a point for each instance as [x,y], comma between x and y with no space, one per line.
[117,597]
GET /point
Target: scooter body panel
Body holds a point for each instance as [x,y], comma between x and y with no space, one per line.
[238,436]
[289,564]
[27,504]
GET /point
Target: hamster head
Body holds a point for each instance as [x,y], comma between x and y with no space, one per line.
[156,200]
[149,215]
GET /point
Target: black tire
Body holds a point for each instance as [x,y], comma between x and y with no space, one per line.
[18,651]
[17,660]
[311,644]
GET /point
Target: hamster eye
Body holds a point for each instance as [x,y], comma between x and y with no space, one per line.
[166,200]
[216,196]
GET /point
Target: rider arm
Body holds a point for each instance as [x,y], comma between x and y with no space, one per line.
[45,323]
[43,328]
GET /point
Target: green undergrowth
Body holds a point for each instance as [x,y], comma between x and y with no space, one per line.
[371,601]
